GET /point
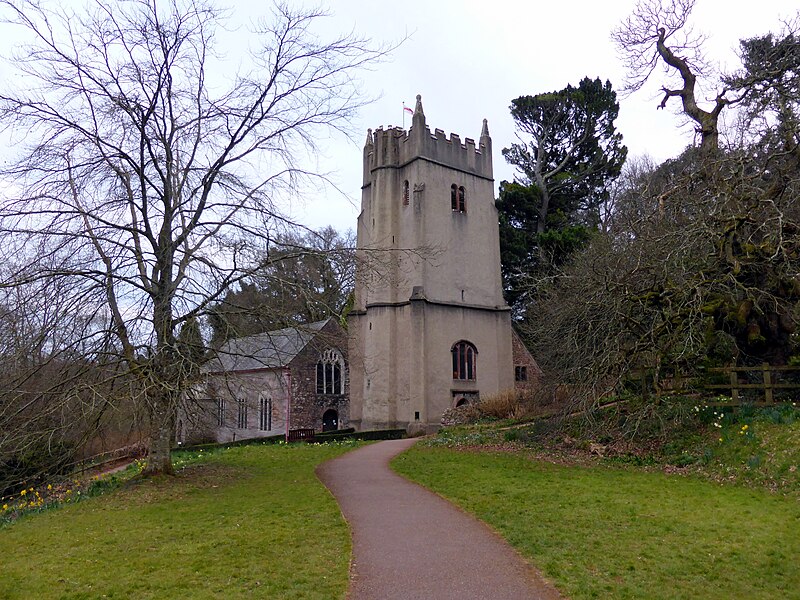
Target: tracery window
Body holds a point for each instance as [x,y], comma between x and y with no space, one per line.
[330,373]
[464,360]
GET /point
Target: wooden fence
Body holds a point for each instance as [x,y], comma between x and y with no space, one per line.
[766,381]
[771,381]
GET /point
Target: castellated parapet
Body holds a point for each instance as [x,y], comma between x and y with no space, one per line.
[395,147]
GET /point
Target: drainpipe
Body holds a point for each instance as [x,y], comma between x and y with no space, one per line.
[288,399]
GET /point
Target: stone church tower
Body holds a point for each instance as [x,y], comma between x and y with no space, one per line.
[429,329]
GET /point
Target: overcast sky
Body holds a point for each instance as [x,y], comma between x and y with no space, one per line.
[469,58]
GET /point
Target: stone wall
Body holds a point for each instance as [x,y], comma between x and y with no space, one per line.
[527,374]
[307,406]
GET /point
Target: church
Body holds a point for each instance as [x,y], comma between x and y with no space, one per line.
[429,329]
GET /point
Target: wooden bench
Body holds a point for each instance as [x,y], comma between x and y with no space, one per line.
[301,435]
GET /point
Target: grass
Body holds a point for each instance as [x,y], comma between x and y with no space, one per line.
[752,447]
[604,532]
[249,522]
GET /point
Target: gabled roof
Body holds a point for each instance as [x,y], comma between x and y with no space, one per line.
[270,350]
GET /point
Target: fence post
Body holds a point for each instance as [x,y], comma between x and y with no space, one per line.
[767,383]
[734,386]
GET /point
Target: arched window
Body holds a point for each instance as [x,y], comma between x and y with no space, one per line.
[458,198]
[464,360]
[330,373]
[264,413]
[241,416]
[406,193]
[221,412]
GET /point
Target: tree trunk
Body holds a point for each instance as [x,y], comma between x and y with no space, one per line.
[707,121]
[162,427]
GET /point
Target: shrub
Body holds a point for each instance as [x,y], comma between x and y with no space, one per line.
[508,404]
[36,462]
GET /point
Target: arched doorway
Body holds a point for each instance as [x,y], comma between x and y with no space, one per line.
[330,420]
[461,402]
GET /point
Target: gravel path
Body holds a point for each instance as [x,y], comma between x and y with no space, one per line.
[409,543]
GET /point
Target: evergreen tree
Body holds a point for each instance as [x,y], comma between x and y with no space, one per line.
[569,155]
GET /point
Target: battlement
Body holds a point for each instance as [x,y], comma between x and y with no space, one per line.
[395,147]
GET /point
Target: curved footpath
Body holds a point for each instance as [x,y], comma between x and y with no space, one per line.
[409,543]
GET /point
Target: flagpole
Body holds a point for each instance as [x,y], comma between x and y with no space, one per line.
[404,115]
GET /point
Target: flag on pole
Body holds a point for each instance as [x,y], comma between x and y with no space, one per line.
[405,110]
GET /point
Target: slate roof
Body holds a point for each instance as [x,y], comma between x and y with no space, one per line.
[273,349]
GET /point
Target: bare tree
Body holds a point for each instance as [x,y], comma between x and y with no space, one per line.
[658,32]
[309,276]
[149,176]
[56,387]
[698,268]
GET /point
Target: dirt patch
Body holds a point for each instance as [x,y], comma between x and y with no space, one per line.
[188,480]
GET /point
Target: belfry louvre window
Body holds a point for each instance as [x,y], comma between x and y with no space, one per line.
[464,359]
[458,198]
[330,373]
[406,193]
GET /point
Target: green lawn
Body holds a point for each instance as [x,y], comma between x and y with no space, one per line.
[601,532]
[249,522]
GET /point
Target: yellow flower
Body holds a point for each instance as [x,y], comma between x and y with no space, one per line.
[23,492]
[5,506]
[49,487]
[720,439]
